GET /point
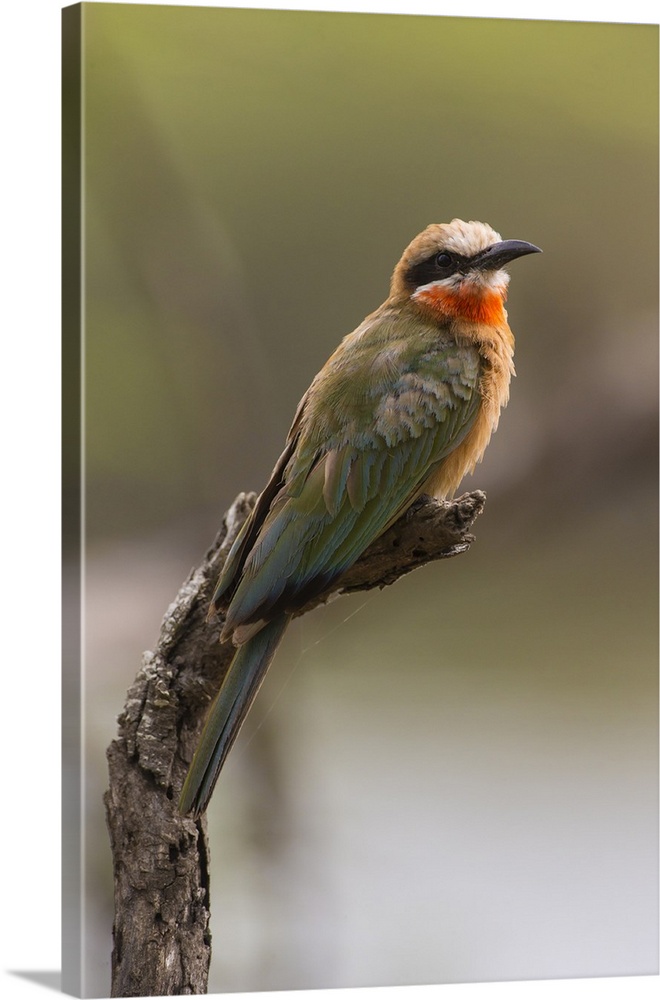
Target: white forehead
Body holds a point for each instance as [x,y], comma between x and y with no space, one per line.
[467,238]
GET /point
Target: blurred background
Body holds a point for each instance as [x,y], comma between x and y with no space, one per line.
[455,779]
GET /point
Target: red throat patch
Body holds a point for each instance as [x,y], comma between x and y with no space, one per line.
[476,305]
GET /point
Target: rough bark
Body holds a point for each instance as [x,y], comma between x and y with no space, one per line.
[162,942]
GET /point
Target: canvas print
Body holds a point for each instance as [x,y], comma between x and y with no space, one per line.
[360,497]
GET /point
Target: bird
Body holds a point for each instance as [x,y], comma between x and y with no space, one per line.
[405,406]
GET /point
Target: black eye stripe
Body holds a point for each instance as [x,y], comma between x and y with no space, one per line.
[441,264]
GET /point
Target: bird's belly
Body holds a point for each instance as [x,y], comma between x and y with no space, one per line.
[446,478]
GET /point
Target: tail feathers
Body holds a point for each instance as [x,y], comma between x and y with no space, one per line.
[227,713]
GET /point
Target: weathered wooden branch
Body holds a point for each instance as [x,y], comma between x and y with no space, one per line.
[162,942]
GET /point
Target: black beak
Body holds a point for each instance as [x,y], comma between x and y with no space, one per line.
[500,254]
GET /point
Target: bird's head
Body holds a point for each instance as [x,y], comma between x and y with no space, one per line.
[455,270]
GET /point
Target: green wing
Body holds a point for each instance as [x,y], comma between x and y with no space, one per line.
[374,425]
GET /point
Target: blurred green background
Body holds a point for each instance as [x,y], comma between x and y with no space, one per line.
[455,779]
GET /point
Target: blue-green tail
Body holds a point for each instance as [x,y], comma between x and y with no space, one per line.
[227,713]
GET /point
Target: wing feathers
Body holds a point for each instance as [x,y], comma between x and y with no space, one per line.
[334,490]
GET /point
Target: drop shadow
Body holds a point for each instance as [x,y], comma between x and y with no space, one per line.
[50,980]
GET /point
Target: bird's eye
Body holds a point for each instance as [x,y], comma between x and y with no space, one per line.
[444,260]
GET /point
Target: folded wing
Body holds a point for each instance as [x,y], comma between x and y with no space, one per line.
[342,480]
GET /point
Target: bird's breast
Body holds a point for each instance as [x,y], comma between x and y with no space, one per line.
[497,370]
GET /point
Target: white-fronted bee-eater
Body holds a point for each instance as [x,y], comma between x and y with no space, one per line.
[406,405]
